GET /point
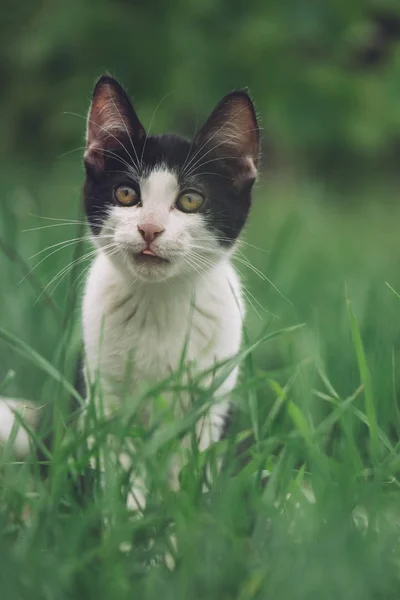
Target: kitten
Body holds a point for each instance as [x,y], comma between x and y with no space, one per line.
[165,214]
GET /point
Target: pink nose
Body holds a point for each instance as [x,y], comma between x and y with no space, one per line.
[149,231]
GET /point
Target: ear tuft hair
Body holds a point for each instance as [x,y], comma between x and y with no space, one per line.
[232,131]
[112,122]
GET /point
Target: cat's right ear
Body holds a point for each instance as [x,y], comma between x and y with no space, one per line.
[232,135]
[112,125]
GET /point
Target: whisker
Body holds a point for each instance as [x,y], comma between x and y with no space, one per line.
[248,293]
[213,135]
[107,131]
[214,174]
[202,259]
[190,163]
[45,258]
[240,242]
[125,126]
[182,170]
[209,250]
[249,265]
[119,159]
[81,277]
[60,222]
[262,276]
[216,159]
[149,127]
[84,273]
[100,150]
[195,266]
[68,242]
[250,298]
[50,226]
[64,272]
[249,301]
[193,166]
[70,152]
[56,219]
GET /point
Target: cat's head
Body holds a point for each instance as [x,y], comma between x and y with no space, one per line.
[162,206]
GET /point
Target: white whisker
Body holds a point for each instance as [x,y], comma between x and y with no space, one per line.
[126,128]
[65,270]
[50,226]
[149,127]
[108,133]
[241,259]
[199,160]
[216,132]
[64,242]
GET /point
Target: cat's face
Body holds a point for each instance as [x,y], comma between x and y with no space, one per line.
[163,206]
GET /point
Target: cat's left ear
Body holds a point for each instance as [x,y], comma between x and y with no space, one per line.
[232,135]
[112,125]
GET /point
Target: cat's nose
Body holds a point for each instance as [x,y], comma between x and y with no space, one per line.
[149,231]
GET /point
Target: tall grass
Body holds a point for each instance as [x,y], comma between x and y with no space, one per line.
[309,510]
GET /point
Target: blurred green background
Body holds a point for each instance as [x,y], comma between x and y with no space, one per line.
[324,75]
[325,78]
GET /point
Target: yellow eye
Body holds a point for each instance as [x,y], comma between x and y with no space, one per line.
[126,195]
[190,202]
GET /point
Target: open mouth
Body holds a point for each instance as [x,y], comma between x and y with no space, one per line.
[148,257]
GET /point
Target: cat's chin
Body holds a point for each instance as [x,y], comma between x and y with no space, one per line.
[150,268]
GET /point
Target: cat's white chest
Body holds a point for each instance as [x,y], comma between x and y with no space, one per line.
[135,335]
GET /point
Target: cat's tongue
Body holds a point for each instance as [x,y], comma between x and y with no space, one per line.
[149,252]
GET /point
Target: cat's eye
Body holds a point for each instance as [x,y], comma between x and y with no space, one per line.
[190,202]
[126,195]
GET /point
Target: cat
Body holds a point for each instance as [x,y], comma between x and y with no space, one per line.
[165,214]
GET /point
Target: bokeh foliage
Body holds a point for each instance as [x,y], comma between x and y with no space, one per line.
[324,75]
[322,401]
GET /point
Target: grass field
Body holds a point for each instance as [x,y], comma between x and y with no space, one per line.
[318,394]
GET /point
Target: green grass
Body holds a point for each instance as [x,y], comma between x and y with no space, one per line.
[318,395]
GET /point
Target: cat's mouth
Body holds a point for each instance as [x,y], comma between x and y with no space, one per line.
[148,257]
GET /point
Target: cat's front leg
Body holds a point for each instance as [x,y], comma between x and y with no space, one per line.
[136,498]
[111,463]
[209,429]
[116,456]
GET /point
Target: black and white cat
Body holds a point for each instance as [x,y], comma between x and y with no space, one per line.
[165,214]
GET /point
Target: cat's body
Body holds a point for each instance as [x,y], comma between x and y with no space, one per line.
[147,324]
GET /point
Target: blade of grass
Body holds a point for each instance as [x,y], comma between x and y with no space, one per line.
[366,380]
[34,357]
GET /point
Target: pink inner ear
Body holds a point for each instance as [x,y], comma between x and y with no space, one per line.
[107,129]
[112,121]
[240,131]
[106,120]
[232,129]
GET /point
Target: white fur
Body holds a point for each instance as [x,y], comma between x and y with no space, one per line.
[29,413]
[136,317]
